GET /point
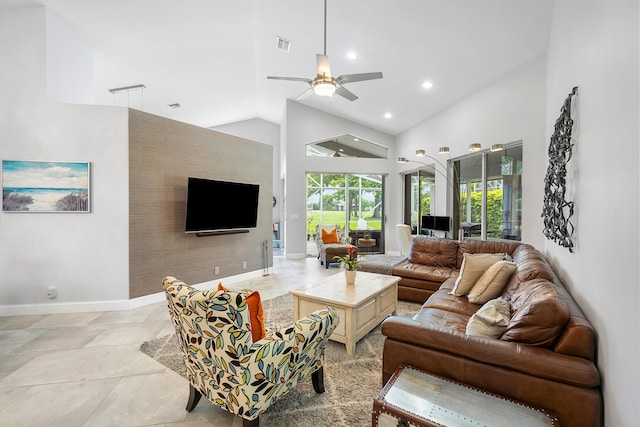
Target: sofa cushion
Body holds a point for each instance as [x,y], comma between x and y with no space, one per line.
[443,300]
[539,314]
[433,251]
[482,246]
[492,282]
[443,320]
[473,266]
[420,271]
[491,320]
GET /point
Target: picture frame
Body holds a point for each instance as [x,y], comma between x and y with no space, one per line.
[46,186]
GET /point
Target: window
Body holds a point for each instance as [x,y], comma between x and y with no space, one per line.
[353,201]
[490,203]
[418,190]
[346,146]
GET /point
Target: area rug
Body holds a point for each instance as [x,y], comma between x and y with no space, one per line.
[351,382]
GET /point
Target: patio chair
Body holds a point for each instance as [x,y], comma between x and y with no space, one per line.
[336,243]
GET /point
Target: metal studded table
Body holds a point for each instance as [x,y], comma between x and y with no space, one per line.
[413,397]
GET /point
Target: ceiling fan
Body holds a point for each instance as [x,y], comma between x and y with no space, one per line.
[325,85]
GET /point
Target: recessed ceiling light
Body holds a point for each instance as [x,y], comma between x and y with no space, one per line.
[352,55]
[356,139]
[387,115]
[427,85]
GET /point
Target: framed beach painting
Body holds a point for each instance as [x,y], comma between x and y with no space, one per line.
[35,186]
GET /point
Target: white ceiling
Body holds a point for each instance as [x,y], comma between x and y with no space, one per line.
[213,56]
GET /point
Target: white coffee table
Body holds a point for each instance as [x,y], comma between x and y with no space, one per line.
[361,306]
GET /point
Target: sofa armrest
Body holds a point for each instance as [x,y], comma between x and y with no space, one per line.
[530,360]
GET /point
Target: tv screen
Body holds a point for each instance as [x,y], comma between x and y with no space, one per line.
[428,222]
[220,205]
[442,223]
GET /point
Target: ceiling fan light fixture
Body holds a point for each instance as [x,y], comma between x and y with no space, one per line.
[324,88]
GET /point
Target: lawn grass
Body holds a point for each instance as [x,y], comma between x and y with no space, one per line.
[337,217]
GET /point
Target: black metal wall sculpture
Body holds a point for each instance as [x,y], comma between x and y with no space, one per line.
[557,212]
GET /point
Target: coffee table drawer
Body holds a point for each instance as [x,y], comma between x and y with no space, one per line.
[365,313]
[387,301]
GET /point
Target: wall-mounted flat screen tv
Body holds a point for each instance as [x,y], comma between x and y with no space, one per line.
[220,205]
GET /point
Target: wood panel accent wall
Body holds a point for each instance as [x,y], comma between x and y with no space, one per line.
[163,153]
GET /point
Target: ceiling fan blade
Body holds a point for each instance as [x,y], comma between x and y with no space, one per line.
[350,78]
[304,95]
[345,93]
[294,79]
[324,71]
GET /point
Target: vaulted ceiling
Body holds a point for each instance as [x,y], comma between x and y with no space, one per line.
[212,56]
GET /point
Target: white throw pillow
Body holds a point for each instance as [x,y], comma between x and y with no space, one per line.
[492,282]
[491,320]
[473,266]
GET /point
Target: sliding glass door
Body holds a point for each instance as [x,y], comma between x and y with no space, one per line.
[418,189]
[355,202]
[490,203]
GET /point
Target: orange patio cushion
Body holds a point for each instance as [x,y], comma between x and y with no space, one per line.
[330,237]
[256,313]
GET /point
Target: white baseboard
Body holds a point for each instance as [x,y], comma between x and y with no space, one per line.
[289,255]
[114,305]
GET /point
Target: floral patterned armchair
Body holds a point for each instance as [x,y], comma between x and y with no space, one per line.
[224,365]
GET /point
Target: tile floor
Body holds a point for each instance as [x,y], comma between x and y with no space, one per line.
[86,369]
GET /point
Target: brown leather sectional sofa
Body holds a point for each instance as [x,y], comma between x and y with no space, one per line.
[546,356]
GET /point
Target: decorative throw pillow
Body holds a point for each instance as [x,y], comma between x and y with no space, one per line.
[491,320]
[256,313]
[492,282]
[330,237]
[473,265]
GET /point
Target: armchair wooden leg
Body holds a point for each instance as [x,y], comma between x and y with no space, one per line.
[194,398]
[317,378]
[251,423]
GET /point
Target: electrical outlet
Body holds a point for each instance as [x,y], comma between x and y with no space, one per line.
[216,270]
[244,265]
[52,292]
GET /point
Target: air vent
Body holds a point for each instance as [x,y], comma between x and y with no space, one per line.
[283,44]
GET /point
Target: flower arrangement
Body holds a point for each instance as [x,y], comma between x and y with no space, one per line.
[350,261]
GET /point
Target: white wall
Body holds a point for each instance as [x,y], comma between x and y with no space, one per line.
[594,45]
[511,109]
[69,63]
[84,255]
[267,133]
[304,125]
